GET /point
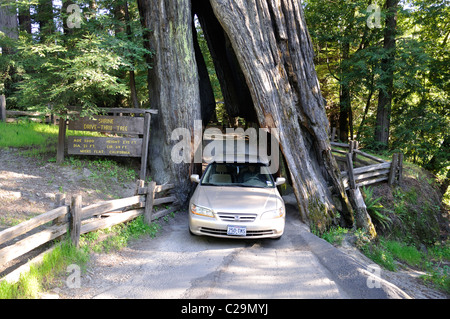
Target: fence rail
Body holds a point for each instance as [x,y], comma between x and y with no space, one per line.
[77,220]
[11,116]
[370,173]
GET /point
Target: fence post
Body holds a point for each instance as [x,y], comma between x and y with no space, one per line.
[400,168]
[75,219]
[139,186]
[60,200]
[2,108]
[149,203]
[350,173]
[333,134]
[393,169]
[354,148]
[61,141]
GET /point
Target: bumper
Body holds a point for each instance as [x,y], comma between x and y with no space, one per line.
[208,226]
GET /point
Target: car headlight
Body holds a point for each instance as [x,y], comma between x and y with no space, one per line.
[201,211]
[272,214]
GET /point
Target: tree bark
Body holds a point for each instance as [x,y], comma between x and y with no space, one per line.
[383,118]
[274,51]
[235,92]
[265,44]
[44,16]
[173,85]
[208,101]
[8,21]
[25,18]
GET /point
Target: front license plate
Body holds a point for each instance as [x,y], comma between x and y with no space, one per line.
[237,230]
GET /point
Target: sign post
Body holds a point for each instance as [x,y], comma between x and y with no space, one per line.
[117,145]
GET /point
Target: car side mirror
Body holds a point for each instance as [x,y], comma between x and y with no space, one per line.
[195,178]
[280,181]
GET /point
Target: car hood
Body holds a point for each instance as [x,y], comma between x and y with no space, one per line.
[237,199]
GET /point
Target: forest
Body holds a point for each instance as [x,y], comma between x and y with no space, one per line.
[382,65]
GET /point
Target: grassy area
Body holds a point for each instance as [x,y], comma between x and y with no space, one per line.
[394,255]
[52,272]
[42,276]
[37,138]
[26,134]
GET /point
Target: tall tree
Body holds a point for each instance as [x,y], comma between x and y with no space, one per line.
[25,17]
[173,85]
[277,67]
[8,26]
[44,17]
[8,20]
[387,77]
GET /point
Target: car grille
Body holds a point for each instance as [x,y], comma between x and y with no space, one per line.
[223,232]
[236,218]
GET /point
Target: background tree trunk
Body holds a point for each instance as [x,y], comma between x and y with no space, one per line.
[274,51]
[8,21]
[173,86]
[25,18]
[44,17]
[387,66]
[9,26]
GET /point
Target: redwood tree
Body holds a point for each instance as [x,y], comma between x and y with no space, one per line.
[270,47]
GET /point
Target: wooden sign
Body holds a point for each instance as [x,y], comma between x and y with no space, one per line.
[105,146]
[109,124]
[125,126]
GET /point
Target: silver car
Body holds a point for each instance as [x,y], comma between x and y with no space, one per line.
[237,200]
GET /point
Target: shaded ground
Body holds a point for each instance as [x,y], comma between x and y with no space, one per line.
[28,187]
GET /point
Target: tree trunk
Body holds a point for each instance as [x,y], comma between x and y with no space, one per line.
[262,47]
[344,97]
[44,16]
[235,92]
[132,82]
[8,21]
[9,26]
[25,18]
[274,51]
[173,86]
[387,66]
[208,101]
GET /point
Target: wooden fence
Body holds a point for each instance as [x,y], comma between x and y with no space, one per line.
[371,169]
[10,116]
[76,219]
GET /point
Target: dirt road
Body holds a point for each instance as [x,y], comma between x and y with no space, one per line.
[176,264]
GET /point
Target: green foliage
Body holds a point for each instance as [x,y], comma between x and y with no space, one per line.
[335,235]
[416,221]
[86,66]
[375,209]
[394,255]
[350,55]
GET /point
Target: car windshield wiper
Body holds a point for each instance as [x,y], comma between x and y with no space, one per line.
[249,185]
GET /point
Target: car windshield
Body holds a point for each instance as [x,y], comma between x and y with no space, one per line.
[238,174]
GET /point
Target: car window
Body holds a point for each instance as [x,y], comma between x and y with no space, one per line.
[238,174]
